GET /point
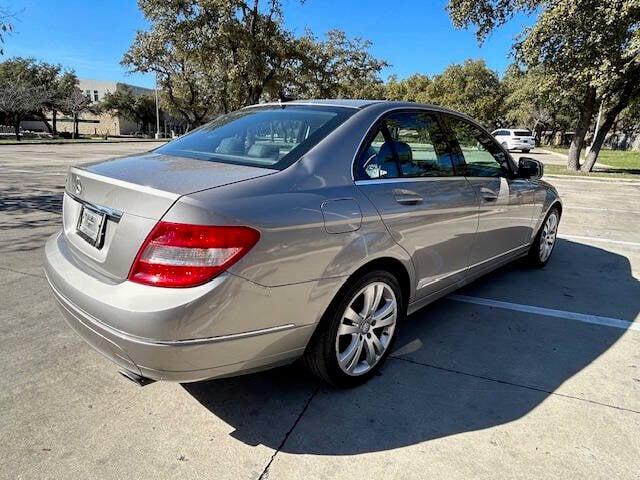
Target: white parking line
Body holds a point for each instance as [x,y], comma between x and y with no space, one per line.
[549,312]
[595,209]
[32,172]
[598,239]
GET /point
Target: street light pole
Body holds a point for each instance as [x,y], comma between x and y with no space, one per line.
[157,110]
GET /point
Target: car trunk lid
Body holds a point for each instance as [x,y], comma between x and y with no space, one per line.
[125,197]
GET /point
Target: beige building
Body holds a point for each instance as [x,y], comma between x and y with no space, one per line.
[91,124]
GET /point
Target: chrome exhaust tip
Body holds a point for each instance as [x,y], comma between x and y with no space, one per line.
[135,378]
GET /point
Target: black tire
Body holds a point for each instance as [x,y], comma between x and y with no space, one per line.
[526,150]
[534,256]
[320,356]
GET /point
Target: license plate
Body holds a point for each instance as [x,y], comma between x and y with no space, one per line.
[91,226]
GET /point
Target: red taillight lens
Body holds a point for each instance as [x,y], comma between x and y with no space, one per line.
[181,255]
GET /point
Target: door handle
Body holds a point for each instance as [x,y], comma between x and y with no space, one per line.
[488,194]
[406,197]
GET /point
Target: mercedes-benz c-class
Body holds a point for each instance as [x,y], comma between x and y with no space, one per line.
[307,229]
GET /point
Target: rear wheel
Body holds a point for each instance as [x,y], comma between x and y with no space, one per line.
[357,331]
[526,150]
[543,244]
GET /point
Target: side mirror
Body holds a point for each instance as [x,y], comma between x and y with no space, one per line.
[530,168]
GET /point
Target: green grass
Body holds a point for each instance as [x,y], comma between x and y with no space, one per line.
[609,173]
[611,163]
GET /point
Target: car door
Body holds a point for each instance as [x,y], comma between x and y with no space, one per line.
[405,168]
[506,202]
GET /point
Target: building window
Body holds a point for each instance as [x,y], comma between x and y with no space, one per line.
[95,95]
[88,94]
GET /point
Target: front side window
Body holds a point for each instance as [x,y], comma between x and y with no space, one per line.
[270,137]
[479,154]
[407,144]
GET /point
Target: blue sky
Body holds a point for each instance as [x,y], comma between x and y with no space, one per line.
[91,36]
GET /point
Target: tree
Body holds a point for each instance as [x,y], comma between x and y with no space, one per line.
[592,46]
[64,86]
[75,104]
[471,88]
[210,55]
[213,56]
[21,90]
[411,89]
[6,27]
[19,100]
[337,67]
[137,108]
[535,100]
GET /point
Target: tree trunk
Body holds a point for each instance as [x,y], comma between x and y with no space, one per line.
[16,127]
[43,118]
[54,120]
[75,125]
[609,121]
[582,126]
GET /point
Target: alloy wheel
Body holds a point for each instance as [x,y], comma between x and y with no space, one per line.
[366,328]
[548,236]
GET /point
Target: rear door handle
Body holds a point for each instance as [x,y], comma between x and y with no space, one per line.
[488,194]
[406,197]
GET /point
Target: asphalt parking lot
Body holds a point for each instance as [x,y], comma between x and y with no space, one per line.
[523,374]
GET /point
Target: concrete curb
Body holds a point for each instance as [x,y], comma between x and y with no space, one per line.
[549,152]
[82,142]
[592,179]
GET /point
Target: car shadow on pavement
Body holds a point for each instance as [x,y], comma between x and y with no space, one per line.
[457,367]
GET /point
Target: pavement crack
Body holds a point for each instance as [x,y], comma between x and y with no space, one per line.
[506,382]
[22,273]
[265,473]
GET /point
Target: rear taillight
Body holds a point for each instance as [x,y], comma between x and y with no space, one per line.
[181,255]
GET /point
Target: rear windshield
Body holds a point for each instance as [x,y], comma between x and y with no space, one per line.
[271,137]
[522,133]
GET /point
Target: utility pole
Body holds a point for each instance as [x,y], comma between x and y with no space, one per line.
[157,110]
[595,133]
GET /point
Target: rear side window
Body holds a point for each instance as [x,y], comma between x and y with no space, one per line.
[479,154]
[522,133]
[407,144]
[271,137]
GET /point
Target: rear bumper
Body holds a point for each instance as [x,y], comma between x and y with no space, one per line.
[182,334]
[521,146]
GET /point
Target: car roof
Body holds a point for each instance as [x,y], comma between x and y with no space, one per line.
[360,104]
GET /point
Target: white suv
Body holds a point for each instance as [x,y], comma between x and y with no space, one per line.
[515,139]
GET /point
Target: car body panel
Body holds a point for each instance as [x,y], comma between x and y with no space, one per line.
[506,208]
[317,228]
[437,231]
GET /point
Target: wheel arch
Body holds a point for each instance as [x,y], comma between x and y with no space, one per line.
[390,264]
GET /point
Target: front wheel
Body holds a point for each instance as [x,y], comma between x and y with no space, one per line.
[357,332]
[542,246]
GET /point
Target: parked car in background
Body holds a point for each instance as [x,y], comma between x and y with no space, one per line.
[515,139]
[304,229]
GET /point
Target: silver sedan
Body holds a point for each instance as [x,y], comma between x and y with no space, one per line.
[308,229]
